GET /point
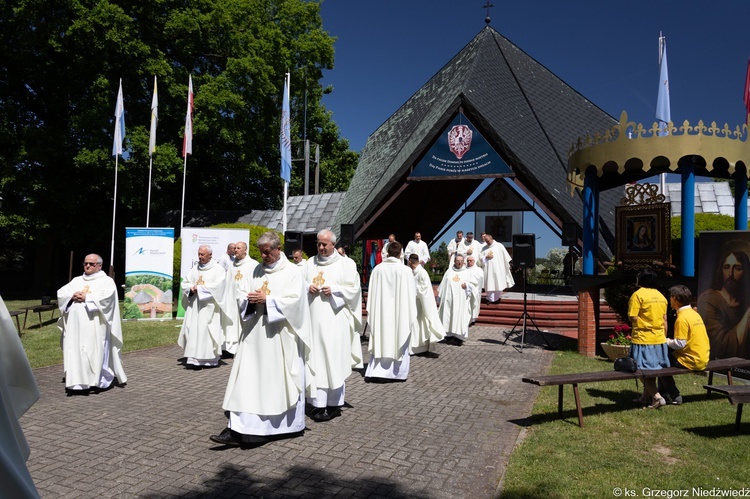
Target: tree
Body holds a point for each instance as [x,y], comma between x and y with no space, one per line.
[61,62]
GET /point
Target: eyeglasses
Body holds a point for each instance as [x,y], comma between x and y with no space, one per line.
[91,264]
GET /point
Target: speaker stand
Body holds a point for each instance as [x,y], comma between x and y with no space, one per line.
[524,317]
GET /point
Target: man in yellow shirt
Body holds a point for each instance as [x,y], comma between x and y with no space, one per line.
[689,347]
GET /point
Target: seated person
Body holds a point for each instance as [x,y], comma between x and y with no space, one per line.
[690,346]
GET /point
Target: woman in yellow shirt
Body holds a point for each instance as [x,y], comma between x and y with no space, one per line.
[647,310]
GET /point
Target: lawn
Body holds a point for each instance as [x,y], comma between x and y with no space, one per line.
[624,449]
[42,344]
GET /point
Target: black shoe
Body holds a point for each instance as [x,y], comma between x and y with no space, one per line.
[323,414]
[226,438]
[226,355]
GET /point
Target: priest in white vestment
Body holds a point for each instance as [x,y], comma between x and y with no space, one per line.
[476,292]
[384,251]
[456,246]
[428,329]
[265,395]
[202,298]
[472,247]
[226,259]
[419,248]
[91,329]
[298,258]
[497,274]
[335,298]
[455,294]
[18,392]
[391,313]
[234,283]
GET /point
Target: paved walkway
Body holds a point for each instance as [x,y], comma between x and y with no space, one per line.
[446,432]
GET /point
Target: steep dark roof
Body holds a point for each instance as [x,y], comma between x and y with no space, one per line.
[525,112]
[308,214]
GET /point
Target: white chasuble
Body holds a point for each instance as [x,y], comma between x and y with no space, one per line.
[201,335]
[455,301]
[428,329]
[91,332]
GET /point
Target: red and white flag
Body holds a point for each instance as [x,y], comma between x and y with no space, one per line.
[187,142]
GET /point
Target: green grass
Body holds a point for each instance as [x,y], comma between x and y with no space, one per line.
[42,344]
[621,445]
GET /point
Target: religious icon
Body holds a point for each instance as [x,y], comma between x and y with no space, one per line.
[86,290]
[238,276]
[318,281]
[200,282]
[264,289]
[456,278]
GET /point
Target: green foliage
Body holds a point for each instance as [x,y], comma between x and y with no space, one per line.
[703,222]
[131,311]
[67,59]
[439,261]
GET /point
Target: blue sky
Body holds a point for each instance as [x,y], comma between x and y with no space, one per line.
[608,51]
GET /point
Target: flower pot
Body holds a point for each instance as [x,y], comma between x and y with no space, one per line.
[615,351]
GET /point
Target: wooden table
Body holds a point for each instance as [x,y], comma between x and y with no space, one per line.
[738,394]
[39,309]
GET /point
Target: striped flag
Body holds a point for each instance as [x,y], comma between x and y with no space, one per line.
[663,114]
[747,88]
[154,120]
[119,124]
[285,142]
[187,143]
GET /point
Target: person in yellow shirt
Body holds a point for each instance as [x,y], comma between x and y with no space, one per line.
[647,310]
[690,347]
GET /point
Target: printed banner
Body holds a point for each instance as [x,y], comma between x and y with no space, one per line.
[149,259]
[460,152]
[195,237]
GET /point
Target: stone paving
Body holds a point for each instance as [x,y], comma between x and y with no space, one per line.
[446,432]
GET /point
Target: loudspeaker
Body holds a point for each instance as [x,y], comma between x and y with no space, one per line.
[570,234]
[292,241]
[524,250]
[347,235]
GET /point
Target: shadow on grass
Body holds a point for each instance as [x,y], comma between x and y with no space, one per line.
[720,431]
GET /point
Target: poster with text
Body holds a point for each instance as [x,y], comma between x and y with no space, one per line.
[149,260]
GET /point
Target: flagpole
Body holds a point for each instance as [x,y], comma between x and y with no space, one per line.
[119,136]
[285,146]
[187,147]
[148,201]
[114,210]
[182,209]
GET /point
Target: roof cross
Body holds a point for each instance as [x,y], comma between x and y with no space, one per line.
[487,6]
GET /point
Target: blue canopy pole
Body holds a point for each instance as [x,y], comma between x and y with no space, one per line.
[740,198]
[590,225]
[688,218]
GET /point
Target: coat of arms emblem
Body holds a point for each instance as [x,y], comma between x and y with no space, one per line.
[459,140]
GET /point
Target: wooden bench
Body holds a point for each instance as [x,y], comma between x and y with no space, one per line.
[16,313]
[39,309]
[560,380]
[738,394]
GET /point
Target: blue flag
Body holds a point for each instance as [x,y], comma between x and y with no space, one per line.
[663,115]
[285,142]
[119,124]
